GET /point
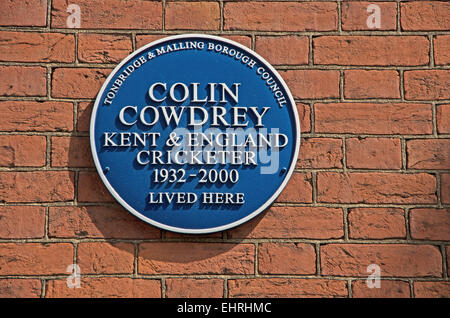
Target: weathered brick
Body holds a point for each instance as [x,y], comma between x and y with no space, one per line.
[20,288]
[374,153]
[35,258]
[395,260]
[194,288]
[23,13]
[431,289]
[442,49]
[425,15]
[376,223]
[36,186]
[105,258]
[286,287]
[18,222]
[286,258]
[36,116]
[92,189]
[84,112]
[23,81]
[280,16]
[71,152]
[373,118]
[376,187]
[388,289]
[192,15]
[78,82]
[304,114]
[111,14]
[359,84]
[430,224]
[298,189]
[22,151]
[312,84]
[98,222]
[443,119]
[445,188]
[103,48]
[36,47]
[293,222]
[355,15]
[288,49]
[106,287]
[320,153]
[427,84]
[203,258]
[428,153]
[371,50]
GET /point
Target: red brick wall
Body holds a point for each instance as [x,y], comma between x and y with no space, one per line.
[371,185]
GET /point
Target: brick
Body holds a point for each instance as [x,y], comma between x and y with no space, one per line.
[320,153]
[293,222]
[376,187]
[144,39]
[425,15]
[97,222]
[373,118]
[431,289]
[442,49]
[106,287]
[17,222]
[447,251]
[395,260]
[105,258]
[388,289]
[427,84]
[376,223]
[286,258]
[304,114]
[22,151]
[36,186]
[92,189]
[23,81]
[194,288]
[430,224]
[36,116]
[286,288]
[374,153]
[445,188]
[359,84]
[192,16]
[84,112]
[71,152]
[111,14]
[280,16]
[371,50]
[312,84]
[103,48]
[242,39]
[203,258]
[35,258]
[354,16]
[78,82]
[298,189]
[20,288]
[37,47]
[24,13]
[443,119]
[288,49]
[428,153]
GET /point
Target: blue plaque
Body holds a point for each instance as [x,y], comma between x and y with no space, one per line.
[195,133]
